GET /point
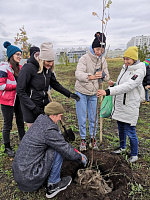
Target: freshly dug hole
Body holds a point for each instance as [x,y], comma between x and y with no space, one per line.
[111,167]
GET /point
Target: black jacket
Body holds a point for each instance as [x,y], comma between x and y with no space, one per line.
[32,87]
[146,80]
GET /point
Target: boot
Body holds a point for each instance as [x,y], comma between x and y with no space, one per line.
[9,152]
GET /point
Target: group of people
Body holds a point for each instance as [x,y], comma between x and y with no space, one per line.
[23,91]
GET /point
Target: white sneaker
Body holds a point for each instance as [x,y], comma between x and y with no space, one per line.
[118,151]
[83,145]
[95,145]
[132,159]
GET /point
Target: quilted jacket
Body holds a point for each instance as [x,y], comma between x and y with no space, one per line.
[88,65]
[128,93]
[7,84]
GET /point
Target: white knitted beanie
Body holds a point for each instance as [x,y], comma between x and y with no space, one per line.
[46,51]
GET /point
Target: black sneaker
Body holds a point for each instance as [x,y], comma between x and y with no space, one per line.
[9,152]
[54,189]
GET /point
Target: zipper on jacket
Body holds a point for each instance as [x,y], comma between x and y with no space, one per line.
[113,106]
[122,75]
[124,98]
[44,95]
[94,73]
[45,85]
[115,95]
[44,78]
[31,94]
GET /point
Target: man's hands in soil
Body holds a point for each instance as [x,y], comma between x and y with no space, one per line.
[84,159]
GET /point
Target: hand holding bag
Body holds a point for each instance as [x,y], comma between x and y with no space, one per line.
[106,107]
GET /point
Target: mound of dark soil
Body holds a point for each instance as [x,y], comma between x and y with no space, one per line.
[111,167]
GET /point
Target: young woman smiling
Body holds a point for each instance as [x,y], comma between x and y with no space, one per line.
[34,80]
[8,99]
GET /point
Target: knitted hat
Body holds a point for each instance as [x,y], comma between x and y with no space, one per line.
[11,50]
[47,51]
[34,49]
[146,62]
[53,108]
[99,41]
[131,52]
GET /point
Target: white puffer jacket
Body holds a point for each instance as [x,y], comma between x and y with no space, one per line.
[127,93]
[87,65]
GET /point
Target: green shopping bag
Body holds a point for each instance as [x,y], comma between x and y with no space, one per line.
[106,107]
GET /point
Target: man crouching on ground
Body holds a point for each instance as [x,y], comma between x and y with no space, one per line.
[40,154]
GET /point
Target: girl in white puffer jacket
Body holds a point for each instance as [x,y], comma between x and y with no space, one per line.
[127,97]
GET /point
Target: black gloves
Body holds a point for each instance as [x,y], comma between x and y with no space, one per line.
[75,96]
[37,111]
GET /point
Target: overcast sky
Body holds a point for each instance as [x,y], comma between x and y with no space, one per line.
[70,23]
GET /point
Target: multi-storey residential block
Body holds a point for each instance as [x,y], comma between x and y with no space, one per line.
[139,41]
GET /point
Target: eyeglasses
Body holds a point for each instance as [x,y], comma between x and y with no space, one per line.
[18,54]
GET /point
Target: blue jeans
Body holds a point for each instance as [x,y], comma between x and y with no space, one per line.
[146,95]
[54,176]
[124,130]
[86,104]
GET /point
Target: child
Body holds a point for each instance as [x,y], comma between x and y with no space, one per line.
[127,100]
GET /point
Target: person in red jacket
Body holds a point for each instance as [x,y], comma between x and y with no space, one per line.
[8,99]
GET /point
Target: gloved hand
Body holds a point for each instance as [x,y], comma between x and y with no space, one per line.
[37,111]
[84,159]
[75,96]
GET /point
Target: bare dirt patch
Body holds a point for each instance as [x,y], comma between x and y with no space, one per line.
[111,167]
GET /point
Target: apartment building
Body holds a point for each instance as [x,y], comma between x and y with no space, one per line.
[139,41]
[117,53]
[73,54]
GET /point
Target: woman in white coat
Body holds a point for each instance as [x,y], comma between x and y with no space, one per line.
[127,97]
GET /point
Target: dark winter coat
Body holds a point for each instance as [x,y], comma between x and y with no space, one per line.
[34,157]
[146,80]
[32,87]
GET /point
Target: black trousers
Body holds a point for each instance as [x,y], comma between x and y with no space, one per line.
[8,112]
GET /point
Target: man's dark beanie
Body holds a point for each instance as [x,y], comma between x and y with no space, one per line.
[99,41]
[34,49]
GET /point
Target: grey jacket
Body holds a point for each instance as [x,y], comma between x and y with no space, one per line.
[128,93]
[34,157]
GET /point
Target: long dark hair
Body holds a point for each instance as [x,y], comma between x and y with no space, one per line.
[15,65]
